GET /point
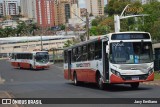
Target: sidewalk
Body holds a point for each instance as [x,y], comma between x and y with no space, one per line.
[155,82]
[4,94]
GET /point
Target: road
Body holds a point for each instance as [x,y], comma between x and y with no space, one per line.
[21,83]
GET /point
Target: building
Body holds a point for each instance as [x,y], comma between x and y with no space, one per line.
[83,12]
[28,9]
[1,8]
[95,7]
[8,23]
[62,11]
[45,13]
[10,7]
[75,2]
[59,13]
[75,11]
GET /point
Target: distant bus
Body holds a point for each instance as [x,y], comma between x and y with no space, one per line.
[32,60]
[116,58]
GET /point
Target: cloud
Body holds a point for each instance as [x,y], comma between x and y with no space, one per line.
[82,3]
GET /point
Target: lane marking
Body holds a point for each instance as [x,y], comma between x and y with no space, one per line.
[10,97]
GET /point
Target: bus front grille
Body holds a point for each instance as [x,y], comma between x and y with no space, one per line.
[130,77]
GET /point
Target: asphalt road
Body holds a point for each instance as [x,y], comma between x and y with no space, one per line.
[22,83]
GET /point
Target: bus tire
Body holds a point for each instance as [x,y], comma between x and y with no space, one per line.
[75,80]
[100,83]
[31,67]
[19,67]
[135,85]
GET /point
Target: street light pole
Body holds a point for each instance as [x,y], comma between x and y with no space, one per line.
[117,18]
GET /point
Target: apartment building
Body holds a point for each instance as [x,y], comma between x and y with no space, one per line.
[28,9]
[45,13]
[62,11]
[95,7]
[1,8]
[10,7]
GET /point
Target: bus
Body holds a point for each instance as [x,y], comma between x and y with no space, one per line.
[115,58]
[30,60]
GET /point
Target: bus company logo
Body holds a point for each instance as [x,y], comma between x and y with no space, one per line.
[83,65]
[6,101]
[134,10]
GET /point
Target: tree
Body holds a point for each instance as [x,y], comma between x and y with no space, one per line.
[155,30]
[22,29]
[62,27]
[68,43]
[8,31]
[115,7]
[93,31]
[2,33]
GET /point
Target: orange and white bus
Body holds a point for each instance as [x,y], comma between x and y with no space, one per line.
[32,60]
[116,58]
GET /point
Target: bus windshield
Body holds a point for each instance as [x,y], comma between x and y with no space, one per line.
[131,52]
[42,57]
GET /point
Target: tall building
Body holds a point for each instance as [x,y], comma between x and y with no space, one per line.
[62,11]
[75,11]
[10,7]
[28,9]
[45,13]
[95,7]
[1,8]
[75,2]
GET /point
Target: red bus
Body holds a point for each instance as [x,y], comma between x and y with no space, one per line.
[32,60]
[116,58]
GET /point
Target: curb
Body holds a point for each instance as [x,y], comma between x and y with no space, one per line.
[4,94]
[155,83]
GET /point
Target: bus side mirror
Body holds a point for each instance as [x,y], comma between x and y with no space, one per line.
[107,49]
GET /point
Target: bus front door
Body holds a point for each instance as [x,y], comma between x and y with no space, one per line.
[105,62]
[69,64]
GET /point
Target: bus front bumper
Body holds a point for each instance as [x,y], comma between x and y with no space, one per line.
[117,80]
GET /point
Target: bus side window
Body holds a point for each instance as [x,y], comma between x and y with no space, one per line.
[79,55]
[91,50]
[98,50]
[84,57]
[12,57]
[73,55]
[15,56]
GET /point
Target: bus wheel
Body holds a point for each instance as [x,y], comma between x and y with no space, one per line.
[19,66]
[31,67]
[75,79]
[100,82]
[135,85]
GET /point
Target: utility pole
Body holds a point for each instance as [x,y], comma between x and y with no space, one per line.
[87,25]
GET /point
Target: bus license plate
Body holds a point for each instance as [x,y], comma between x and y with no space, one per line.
[135,78]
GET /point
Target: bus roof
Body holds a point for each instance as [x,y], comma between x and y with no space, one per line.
[30,52]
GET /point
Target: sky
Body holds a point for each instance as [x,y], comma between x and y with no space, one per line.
[82,3]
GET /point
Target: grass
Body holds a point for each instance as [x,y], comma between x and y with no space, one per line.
[157,76]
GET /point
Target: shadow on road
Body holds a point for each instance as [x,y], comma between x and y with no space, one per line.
[30,70]
[112,87]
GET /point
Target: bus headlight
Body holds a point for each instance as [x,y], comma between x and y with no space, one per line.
[116,72]
[150,71]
